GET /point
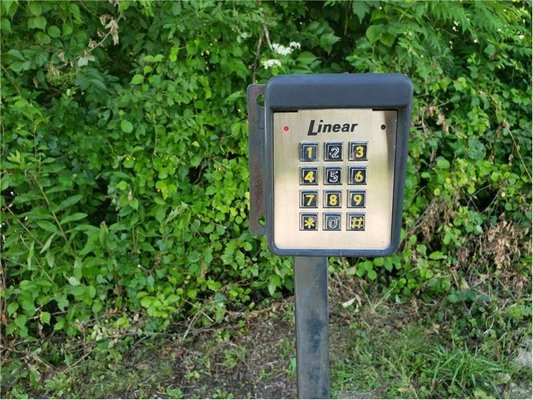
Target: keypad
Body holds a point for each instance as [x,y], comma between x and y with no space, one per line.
[338,170]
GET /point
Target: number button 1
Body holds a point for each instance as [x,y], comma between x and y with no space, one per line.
[308,152]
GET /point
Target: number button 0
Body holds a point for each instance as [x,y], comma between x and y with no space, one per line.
[356,176]
[357,151]
[308,199]
[356,198]
[308,152]
[309,176]
[332,199]
[332,151]
[332,222]
[332,176]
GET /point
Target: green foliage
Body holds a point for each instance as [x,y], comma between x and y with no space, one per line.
[124,150]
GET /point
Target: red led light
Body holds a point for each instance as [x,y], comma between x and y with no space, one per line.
[285,128]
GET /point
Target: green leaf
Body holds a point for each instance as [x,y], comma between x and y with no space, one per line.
[137,79]
[54,32]
[360,8]
[39,22]
[21,320]
[126,126]
[45,317]
[69,202]
[73,281]
[372,275]
[48,226]
[442,163]
[73,217]
[35,7]
[47,244]
[373,32]
[12,307]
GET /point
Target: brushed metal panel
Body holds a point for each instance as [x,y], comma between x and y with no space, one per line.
[290,129]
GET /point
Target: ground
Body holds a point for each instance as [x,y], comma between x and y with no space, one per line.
[379,348]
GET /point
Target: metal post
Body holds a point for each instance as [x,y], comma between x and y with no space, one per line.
[312,347]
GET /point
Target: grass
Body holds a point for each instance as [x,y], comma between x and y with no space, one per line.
[378,349]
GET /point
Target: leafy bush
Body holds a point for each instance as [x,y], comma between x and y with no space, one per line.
[124,152]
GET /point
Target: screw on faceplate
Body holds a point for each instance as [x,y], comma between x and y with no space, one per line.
[383,127]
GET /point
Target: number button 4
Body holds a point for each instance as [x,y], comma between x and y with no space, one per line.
[309,176]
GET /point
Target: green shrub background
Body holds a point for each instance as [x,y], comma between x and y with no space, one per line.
[124,187]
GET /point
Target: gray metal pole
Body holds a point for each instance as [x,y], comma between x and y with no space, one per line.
[312,347]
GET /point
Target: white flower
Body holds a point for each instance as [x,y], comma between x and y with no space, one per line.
[271,63]
[294,45]
[281,50]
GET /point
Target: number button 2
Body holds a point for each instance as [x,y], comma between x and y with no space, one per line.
[332,151]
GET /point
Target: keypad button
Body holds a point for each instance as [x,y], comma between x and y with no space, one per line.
[356,198]
[355,222]
[332,199]
[332,176]
[308,221]
[356,175]
[332,222]
[357,151]
[332,151]
[308,152]
[309,199]
[309,176]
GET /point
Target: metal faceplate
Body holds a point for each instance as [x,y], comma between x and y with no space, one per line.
[333,179]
